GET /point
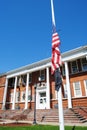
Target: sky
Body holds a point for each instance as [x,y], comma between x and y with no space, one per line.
[26,29]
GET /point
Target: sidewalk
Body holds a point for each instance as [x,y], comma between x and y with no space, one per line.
[6,121]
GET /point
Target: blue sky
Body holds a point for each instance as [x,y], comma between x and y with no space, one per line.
[26,29]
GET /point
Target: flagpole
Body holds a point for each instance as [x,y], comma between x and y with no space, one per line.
[53,16]
[59,91]
[61,116]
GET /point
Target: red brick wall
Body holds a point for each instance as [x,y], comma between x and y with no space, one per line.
[73,78]
[82,102]
[2,81]
[2,84]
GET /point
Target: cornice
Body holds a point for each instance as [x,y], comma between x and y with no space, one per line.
[66,56]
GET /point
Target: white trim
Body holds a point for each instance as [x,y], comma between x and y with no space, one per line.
[38,98]
[26,92]
[66,56]
[75,54]
[48,88]
[79,97]
[14,95]
[68,85]
[73,57]
[82,64]
[72,72]
[31,70]
[85,86]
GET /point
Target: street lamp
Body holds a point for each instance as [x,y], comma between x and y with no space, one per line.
[34,121]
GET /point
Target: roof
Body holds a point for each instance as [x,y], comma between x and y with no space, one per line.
[66,56]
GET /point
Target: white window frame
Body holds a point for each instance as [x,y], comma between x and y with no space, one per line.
[17,96]
[72,71]
[79,95]
[85,84]
[29,95]
[82,65]
[65,91]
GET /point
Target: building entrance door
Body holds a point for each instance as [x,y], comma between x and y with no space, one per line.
[42,100]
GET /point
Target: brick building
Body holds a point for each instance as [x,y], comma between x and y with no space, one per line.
[17,87]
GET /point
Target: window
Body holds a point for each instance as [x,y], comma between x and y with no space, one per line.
[43,94]
[77,89]
[84,64]
[74,67]
[23,96]
[17,96]
[42,97]
[65,91]
[29,95]
[85,82]
[21,80]
[42,75]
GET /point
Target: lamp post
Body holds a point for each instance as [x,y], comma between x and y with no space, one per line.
[34,121]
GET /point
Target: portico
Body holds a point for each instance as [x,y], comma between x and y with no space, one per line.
[42,88]
[23,94]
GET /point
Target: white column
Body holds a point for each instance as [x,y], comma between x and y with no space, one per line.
[5,94]
[68,85]
[48,88]
[14,95]
[37,99]
[26,96]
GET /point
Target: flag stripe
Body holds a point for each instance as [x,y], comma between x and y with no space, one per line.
[56,56]
[55,38]
[56,43]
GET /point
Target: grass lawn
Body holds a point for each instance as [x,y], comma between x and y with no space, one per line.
[42,127]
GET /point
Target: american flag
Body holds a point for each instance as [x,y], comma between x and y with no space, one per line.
[56,56]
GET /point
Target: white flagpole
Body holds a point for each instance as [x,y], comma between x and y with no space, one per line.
[60,106]
[52,9]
